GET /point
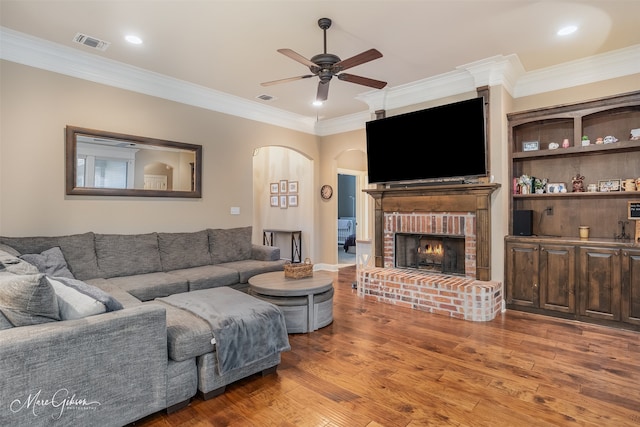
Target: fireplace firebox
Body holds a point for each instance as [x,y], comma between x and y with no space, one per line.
[430,252]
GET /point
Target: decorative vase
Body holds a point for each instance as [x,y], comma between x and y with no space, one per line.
[524,189]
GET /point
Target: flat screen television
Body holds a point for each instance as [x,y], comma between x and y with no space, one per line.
[441,144]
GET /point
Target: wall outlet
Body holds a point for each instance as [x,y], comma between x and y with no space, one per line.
[235,210]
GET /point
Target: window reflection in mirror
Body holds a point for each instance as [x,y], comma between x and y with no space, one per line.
[108,163]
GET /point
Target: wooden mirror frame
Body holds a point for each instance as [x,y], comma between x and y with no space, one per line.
[72,133]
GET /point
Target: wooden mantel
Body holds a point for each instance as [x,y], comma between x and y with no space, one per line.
[439,198]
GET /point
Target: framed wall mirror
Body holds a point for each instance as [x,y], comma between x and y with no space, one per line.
[102,163]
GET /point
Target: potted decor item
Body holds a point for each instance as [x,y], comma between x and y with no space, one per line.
[585,140]
[539,185]
[525,184]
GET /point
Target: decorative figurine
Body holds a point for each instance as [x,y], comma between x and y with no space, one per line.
[609,139]
[599,141]
[553,146]
[565,143]
[578,183]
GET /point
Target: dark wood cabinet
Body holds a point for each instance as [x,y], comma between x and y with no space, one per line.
[630,311]
[541,276]
[600,283]
[595,280]
[553,271]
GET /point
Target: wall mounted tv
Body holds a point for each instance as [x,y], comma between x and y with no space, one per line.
[441,144]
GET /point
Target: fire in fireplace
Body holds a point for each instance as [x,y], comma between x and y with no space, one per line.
[437,253]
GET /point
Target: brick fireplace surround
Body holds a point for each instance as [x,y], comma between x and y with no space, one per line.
[443,210]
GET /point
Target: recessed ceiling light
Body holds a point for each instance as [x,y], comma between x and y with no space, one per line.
[565,31]
[133,39]
[317,103]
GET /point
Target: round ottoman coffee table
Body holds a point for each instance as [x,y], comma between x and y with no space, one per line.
[307,303]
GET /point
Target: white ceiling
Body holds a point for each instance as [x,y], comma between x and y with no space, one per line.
[230,46]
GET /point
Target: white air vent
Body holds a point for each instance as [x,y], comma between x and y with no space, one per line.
[91,42]
[265,97]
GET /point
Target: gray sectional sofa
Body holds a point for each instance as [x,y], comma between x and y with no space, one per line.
[92,331]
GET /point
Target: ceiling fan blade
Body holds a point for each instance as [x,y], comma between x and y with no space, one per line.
[290,79]
[297,57]
[361,58]
[323,91]
[365,81]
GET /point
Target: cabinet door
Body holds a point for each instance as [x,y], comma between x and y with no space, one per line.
[557,278]
[599,285]
[631,286]
[522,274]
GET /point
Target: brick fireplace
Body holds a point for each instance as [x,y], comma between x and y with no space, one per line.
[427,215]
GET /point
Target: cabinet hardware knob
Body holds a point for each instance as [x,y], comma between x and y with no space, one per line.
[535,285]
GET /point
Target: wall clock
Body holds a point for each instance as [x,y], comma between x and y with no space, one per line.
[326,191]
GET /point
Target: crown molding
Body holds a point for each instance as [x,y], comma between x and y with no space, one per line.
[610,65]
[498,70]
[35,52]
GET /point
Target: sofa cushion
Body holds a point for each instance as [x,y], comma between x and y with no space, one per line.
[78,250]
[184,250]
[249,268]
[12,264]
[208,276]
[127,254]
[233,244]
[149,286]
[50,262]
[188,335]
[27,299]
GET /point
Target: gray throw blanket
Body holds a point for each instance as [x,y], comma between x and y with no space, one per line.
[245,328]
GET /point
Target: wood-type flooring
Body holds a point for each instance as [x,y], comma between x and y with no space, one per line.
[382,365]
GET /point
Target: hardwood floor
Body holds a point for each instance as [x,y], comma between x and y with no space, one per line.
[380,365]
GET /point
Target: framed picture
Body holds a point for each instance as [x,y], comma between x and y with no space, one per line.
[283,186]
[633,210]
[556,187]
[273,188]
[608,185]
[530,145]
[293,200]
[274,200]
[293,186]
[283,202]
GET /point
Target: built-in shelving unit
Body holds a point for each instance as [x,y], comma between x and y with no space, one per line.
[553,271]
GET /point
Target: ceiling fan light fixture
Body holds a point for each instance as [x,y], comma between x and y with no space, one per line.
[326,65]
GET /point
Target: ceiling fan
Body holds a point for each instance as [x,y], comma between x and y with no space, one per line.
[327,65]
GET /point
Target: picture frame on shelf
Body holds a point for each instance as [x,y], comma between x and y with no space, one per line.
[274,201]
[609,185]
[293,187]
[284,186]
[293,200]
[556,187]
[274,188]
[283,202]
[530,145]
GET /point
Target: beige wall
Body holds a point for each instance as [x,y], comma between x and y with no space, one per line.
[36,105]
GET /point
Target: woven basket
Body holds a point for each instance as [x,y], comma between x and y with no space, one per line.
[298,270]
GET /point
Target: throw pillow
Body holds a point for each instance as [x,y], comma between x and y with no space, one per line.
[27,299]
[12,264]
[50,262]
[110,303]
[74,304]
